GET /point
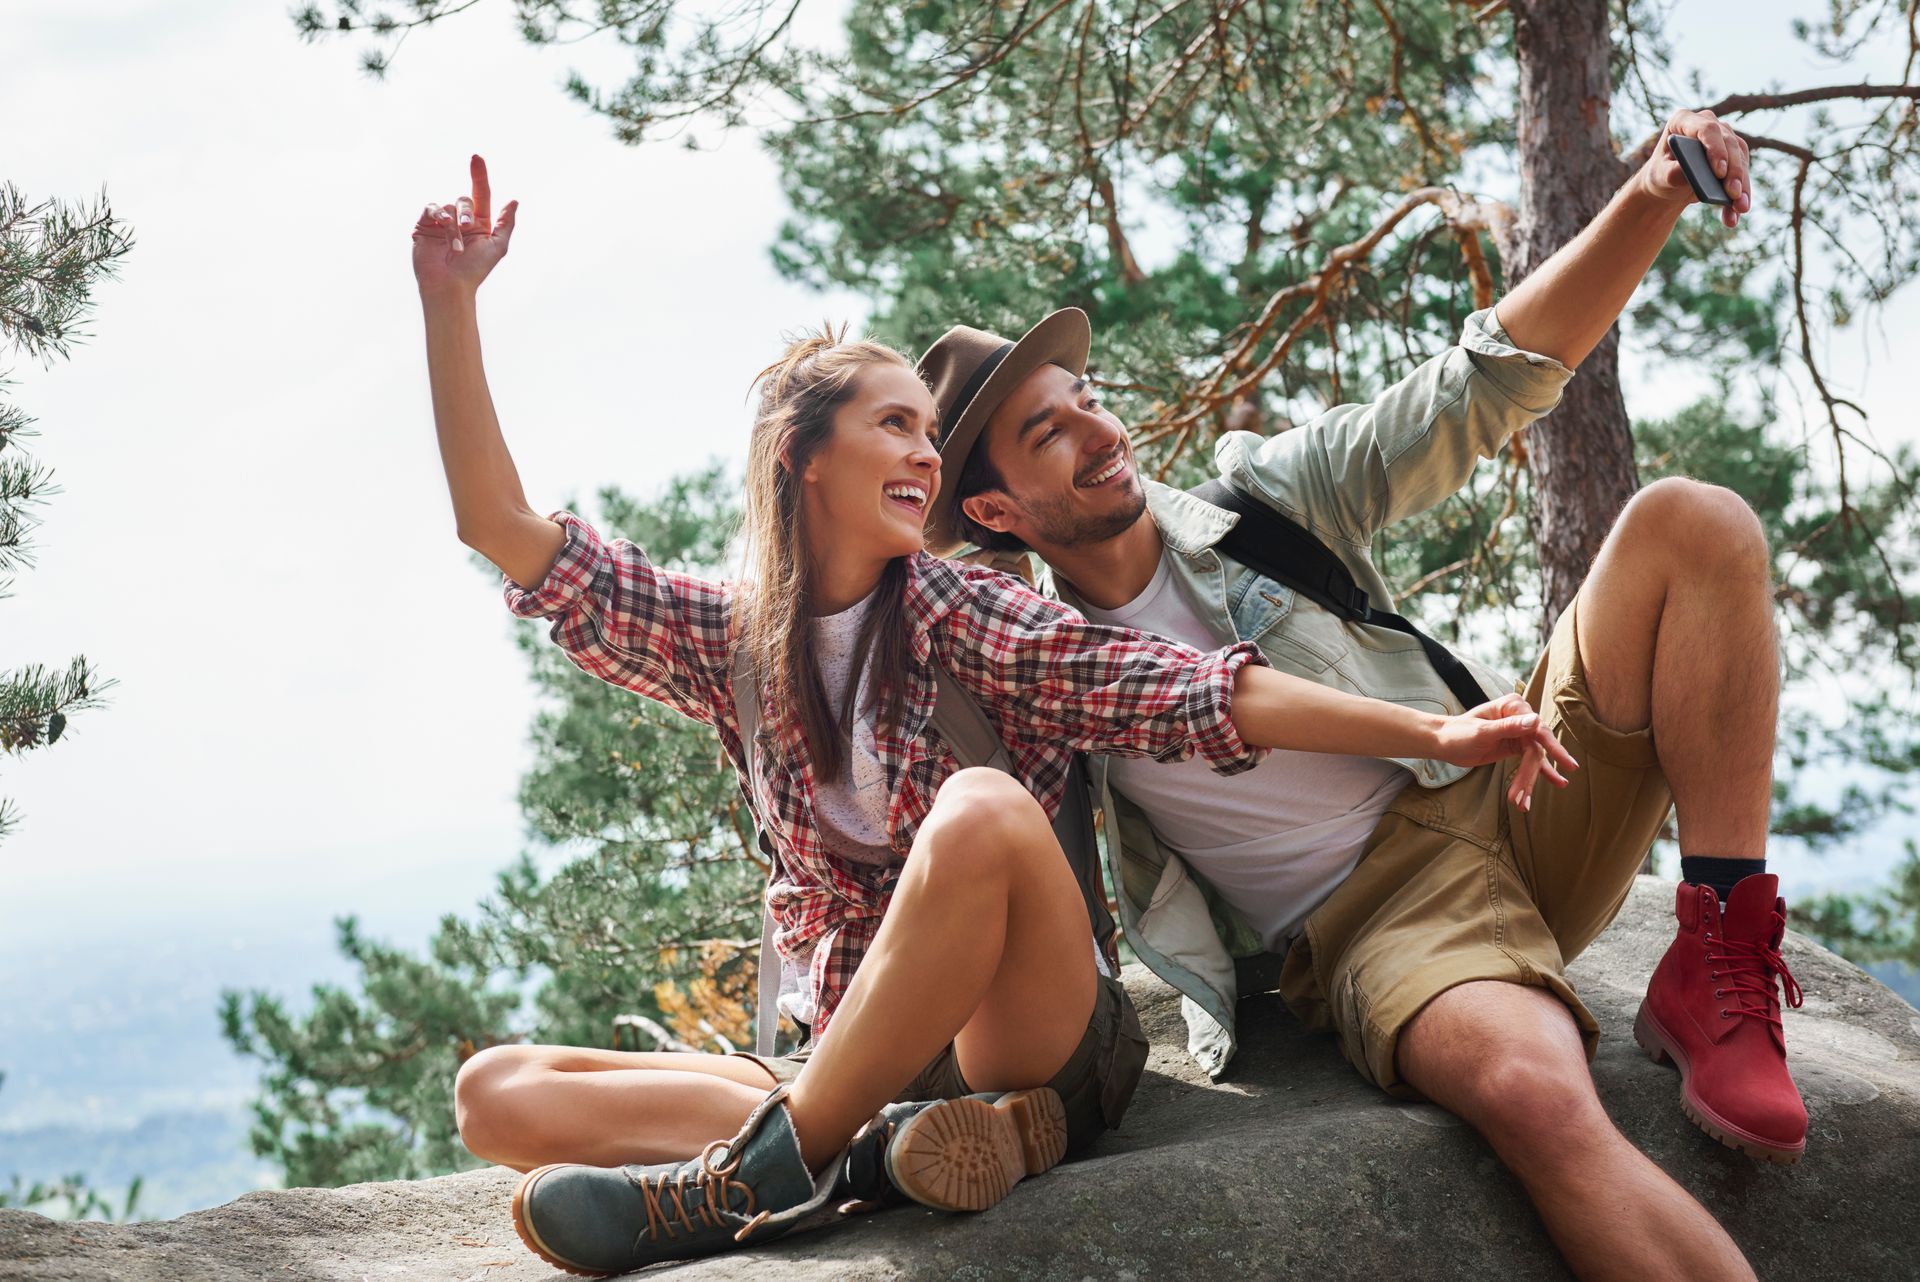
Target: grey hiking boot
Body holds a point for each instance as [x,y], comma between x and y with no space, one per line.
[957,1154]
[597,1220]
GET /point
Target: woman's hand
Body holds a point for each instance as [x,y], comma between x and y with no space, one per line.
[456,245]
[1506,727]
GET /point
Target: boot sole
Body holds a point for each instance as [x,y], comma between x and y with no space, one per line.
[1663,1049]
[523,1226]
[966,1154]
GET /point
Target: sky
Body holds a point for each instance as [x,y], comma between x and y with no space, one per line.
[319,708]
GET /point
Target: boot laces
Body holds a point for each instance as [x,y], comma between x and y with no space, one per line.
[1750,970]
[665,1196]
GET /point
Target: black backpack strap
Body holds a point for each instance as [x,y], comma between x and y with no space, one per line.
[1287,552]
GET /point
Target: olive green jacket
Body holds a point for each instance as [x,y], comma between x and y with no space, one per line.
[1347,475]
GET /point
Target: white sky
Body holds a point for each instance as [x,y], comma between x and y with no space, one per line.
[319,707]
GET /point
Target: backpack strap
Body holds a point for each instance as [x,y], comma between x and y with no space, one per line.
[1272,544]
[975,742]
[746,709]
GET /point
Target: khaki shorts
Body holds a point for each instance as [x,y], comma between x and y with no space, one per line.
[1457,885]
[1096,1083]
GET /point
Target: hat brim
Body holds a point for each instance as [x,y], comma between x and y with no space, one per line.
[1063,338]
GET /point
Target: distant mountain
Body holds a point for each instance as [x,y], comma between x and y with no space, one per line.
[189,1161]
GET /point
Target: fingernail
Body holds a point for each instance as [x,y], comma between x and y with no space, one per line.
[466,219]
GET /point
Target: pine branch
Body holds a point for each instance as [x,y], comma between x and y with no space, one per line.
[1739,102]
[35,701]
[51,256]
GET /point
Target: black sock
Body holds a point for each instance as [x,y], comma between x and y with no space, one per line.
[1709,870]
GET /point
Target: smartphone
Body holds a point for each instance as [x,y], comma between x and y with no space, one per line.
[1692,157]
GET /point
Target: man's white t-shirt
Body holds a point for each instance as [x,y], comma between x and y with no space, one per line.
[1275,840]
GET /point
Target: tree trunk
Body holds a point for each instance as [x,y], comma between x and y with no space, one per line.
[1581,455]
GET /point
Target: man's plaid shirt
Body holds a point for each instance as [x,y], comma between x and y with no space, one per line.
[1050,681]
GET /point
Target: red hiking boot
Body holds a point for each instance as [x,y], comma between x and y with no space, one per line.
[1713,1008]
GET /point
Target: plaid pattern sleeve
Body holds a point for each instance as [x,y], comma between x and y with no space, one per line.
[623,619]
[1048,674]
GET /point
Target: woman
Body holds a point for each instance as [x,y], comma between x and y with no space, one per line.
[961,1025]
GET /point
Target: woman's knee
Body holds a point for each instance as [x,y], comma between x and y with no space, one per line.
[482,1099]
[979,815]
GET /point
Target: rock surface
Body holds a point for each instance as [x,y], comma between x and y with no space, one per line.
[1292,1167]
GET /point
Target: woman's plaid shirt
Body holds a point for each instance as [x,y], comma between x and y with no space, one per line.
[1051,682]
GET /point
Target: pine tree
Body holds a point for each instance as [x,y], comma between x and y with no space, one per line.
[1315,179]
[51,257]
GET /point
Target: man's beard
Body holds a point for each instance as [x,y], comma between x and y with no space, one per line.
[1061,523]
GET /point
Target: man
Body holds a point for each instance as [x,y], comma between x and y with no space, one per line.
[1424,918]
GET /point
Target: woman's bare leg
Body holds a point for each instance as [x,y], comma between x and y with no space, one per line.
[985,944]
[526,1106]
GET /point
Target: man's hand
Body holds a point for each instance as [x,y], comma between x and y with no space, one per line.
[1726,151]
[1506,727]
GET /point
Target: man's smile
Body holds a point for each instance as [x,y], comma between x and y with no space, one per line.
[1112,470]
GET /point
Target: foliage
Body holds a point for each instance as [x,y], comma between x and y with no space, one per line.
[642,936]
[1271,207]
[67,1198]
[1868,929]
[1268,207]
[51,257]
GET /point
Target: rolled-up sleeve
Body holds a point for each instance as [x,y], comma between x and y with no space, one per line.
[621,618]
[1531,381]
[1356,469]
[1046,673]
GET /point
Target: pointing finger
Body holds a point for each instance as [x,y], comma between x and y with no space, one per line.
[482,190]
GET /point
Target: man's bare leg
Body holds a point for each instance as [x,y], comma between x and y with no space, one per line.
[985,944]
[1509,1061]
[1676,626]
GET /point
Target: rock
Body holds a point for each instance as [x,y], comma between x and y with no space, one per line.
[1291,1167]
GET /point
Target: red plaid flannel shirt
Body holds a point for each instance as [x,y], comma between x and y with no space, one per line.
[1050,681]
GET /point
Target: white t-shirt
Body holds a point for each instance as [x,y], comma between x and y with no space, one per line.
[852,810]
[1275,840]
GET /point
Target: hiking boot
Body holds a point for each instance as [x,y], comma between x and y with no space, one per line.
[955,1154]
[966,1154]
[596,1220]
[1713,1008]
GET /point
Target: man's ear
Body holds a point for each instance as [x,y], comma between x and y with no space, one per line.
[989,509]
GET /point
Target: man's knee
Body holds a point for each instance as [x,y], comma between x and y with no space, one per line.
[1506,1057]
[1519,1095]
[1695,527]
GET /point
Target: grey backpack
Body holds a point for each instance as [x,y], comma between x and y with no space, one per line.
[975,742]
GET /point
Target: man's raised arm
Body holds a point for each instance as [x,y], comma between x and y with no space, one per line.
[1567,305]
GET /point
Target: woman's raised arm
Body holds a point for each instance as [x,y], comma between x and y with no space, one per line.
[455,246]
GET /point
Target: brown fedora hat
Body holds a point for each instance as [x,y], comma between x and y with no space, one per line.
[971,372]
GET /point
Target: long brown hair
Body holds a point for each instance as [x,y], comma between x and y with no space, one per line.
[799,394]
